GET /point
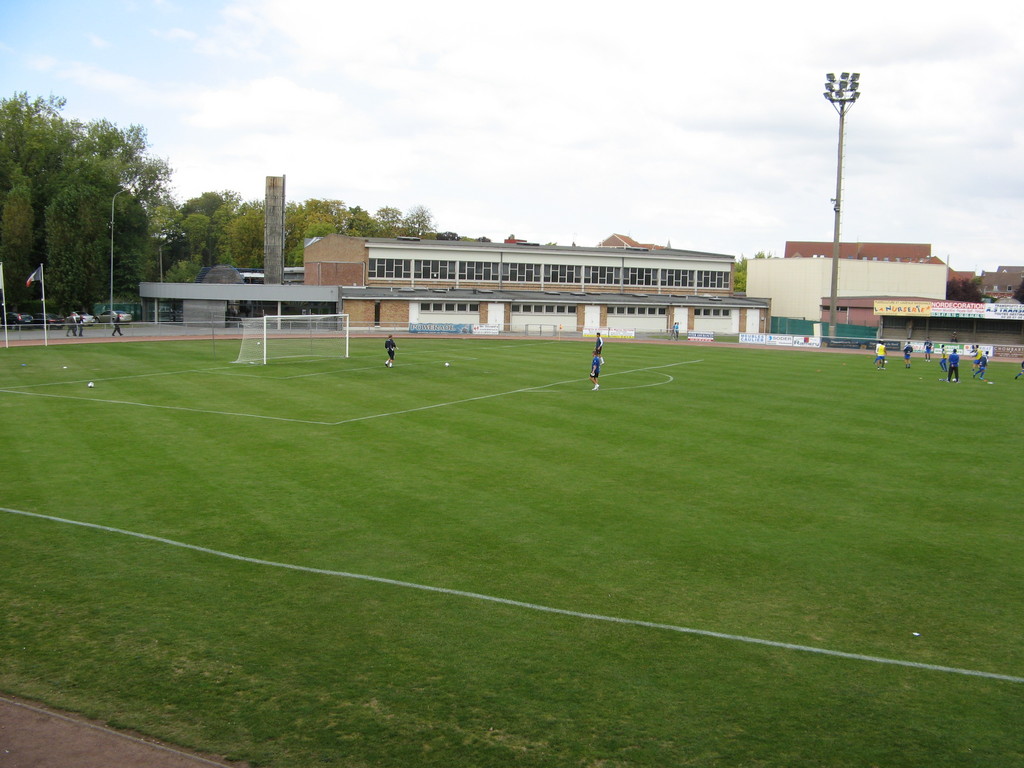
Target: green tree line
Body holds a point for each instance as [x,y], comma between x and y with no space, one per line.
[63,183]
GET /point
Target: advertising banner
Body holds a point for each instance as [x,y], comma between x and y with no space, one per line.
[957,309]
[887,307]
[440,327]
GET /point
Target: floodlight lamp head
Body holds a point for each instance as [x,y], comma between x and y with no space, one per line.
[846,76]
[830,77]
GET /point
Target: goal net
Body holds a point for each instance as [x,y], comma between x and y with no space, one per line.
[277,337]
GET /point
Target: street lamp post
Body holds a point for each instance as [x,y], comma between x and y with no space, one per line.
[111,307]
[842,94]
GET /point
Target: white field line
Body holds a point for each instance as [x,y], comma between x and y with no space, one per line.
[534,606]
[502,394]
[327,423]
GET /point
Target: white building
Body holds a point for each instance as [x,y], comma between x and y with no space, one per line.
[796,286]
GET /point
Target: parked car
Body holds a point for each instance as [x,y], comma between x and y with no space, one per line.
[87,319]
[109,317]
[18,318]
[49,320]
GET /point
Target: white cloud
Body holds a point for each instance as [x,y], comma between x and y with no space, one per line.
[561,122]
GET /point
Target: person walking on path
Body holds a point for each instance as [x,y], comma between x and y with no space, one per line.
[116,320]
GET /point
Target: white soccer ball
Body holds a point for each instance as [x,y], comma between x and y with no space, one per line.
[91,385]
[447,364]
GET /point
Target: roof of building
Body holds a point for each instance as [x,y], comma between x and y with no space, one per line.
[898,252]
[381,293]
[415,242]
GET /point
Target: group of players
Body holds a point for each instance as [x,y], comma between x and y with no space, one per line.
[949,361]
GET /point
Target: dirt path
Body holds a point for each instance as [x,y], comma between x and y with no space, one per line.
[34,736]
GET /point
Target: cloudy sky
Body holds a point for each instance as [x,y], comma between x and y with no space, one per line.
[701,125]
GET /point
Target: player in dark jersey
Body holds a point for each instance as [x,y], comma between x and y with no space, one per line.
[390,346]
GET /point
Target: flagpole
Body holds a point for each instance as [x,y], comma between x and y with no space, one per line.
[42,284]
[3,292]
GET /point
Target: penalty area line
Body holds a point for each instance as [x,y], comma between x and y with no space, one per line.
[533,606]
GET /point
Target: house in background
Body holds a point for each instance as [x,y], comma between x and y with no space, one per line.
[1002,283]
[627,242]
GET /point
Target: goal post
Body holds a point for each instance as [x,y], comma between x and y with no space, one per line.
[278,337]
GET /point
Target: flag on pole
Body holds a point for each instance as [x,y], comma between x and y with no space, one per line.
[37,275]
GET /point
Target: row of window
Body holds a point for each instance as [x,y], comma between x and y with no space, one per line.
[563,309]
[448,306]
[637,311]
[551,309]
[570,274]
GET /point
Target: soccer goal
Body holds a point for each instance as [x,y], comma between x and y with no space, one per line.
[278,337]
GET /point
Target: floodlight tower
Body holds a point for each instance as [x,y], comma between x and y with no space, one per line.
[842,94]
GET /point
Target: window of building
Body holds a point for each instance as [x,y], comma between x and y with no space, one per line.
[641,276]
[433,269]
[521,273]
[602,275]
[389,268]
[711,279]
[561,273]
[478,270]
[677,278]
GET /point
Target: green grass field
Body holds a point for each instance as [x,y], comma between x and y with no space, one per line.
[799,498]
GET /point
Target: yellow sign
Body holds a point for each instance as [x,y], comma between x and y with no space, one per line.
[919,308]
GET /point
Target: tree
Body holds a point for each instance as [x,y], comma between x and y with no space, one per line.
[390,222]
[419,222]
[963,289]
[61,178]
[17,230]
[1018,295]
[244,235]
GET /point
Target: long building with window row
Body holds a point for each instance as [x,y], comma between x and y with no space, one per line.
[394,281]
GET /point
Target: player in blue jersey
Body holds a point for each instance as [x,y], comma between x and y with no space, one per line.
[928,347]
[954,367]
[595,369]
[1021,372]
[906,354]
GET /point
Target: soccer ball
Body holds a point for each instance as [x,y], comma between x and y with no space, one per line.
[91,385]
[447,364]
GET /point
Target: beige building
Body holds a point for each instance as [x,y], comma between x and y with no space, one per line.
[796,286]
[518,285]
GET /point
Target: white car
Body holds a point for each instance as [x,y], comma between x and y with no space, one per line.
[109,317]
